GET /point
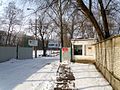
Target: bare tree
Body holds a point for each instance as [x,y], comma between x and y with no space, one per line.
[95,10]
[44,32]
[13,17]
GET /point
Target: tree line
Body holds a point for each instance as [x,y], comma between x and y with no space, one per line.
[67,19]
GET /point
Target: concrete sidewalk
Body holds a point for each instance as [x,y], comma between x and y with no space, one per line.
[87,77]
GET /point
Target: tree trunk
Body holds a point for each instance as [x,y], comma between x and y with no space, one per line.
[72,27]
[43,46]
[61,26]
[8,34]
[90,5]
[105,23]
[44,51]
[90,15]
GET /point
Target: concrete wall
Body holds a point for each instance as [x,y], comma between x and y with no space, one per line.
[108,60]
[7,53]
[25,53]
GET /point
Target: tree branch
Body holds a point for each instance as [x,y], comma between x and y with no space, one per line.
[104,18]
[91,17]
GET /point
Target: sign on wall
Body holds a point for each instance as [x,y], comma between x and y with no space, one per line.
[33,42]
[66,54]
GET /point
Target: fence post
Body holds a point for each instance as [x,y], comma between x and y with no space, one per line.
[71,53]
[17,51]
[60,54]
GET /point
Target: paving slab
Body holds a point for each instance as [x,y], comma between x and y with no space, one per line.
[87,77]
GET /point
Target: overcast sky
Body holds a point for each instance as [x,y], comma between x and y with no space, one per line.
[20,5]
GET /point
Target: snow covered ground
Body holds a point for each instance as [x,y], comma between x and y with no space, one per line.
[34,74]
[40,74]
[49,53]
[87,77]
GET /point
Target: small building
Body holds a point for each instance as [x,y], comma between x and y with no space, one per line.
[83,50]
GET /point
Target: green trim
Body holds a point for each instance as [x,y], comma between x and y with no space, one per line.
[71,53]
[61,55]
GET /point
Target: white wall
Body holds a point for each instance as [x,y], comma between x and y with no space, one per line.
[88,49]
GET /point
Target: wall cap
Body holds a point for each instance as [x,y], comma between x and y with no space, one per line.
[115,36]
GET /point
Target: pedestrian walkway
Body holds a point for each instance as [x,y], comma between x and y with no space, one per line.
[87,77]
[78,76]
[49,74]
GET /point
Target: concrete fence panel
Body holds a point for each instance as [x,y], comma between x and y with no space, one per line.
[7,53]
[109,55]
[103,54]
[117,58]
[25,53]
[108,60]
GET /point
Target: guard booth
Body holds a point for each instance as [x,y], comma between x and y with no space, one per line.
[83,50]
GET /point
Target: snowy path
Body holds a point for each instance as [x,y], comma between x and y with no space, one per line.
[28,74]
[40,74]
[88,78]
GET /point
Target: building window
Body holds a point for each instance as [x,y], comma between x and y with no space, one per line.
[78,49]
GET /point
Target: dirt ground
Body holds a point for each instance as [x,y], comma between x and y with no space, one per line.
[65,78]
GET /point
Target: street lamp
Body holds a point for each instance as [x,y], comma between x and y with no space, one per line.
[35,47]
